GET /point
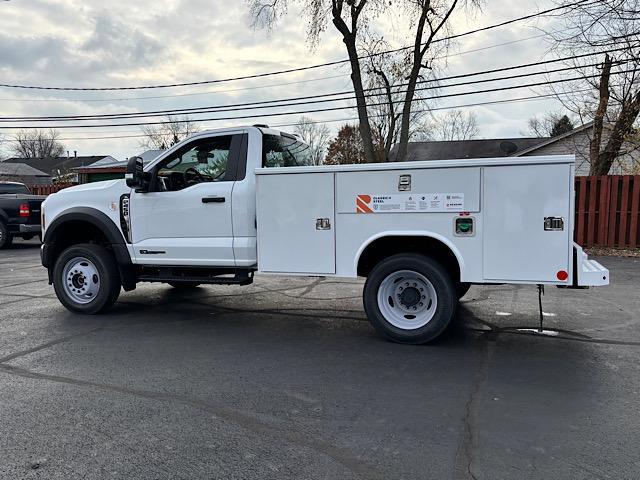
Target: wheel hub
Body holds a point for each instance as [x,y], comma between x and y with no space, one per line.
[81,280]
[410,297]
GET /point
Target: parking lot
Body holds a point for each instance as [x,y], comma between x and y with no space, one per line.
[286,379]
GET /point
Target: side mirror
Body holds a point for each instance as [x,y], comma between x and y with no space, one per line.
[135,173]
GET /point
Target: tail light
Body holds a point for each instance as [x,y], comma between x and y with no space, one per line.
[24,210]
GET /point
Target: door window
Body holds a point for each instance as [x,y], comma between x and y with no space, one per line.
[205,160]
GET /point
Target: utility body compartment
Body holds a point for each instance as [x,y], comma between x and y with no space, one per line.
[506,220]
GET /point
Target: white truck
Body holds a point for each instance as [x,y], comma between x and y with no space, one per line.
[224,204]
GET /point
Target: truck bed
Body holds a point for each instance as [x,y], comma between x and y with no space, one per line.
[318,220]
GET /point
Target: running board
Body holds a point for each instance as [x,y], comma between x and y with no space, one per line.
[196,275]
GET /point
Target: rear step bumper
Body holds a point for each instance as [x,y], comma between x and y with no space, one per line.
[588,273]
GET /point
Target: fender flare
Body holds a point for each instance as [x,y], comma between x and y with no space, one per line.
[105,225]
[407,233]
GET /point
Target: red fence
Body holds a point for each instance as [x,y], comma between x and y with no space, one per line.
[47,189]
[608,211]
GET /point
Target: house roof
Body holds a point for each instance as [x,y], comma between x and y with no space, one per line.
[56,165]
[446,150]
[550,140]
[111,165]
[20,170]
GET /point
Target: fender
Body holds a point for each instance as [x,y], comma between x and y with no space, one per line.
[4,217]
[105,225]
[409,233]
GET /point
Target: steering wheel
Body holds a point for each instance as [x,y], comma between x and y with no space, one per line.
[195,173]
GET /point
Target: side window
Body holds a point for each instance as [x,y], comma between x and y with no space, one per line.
[284,151]
[205,160]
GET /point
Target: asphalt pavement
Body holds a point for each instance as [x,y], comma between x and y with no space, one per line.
[286,379]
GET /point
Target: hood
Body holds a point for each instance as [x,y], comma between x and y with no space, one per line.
[93,186]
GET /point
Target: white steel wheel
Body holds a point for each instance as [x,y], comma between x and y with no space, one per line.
[86,278]
[81,280]
[407,299]
[410,298]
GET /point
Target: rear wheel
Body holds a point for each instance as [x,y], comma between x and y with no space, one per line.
[86,279]
[184,285]
[5,237]
[410,298]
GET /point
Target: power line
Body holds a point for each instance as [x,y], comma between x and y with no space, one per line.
[255,87]
[276,114]
[347,119]
[297,69]
[310,99]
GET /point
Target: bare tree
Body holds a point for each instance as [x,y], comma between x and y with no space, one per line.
[37,144]
[353,19]
[162,137]
[609,93]
[449,126]
[316,135]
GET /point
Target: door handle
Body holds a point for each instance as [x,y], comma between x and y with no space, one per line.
[213,199]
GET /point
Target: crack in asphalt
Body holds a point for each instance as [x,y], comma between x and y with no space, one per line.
[244,420]
[465,454]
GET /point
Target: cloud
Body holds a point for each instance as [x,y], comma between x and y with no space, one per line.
[115,43]
[123,42]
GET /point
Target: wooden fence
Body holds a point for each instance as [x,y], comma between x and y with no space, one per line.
[607,210]
[48,189]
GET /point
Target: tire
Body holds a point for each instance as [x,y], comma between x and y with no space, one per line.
[86,279]
[184,285]
[405,286]
[463,288]
[6,239]
[27,237]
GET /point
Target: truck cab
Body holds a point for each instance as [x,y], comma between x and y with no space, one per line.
[188,216]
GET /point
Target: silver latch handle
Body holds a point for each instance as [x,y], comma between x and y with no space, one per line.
[323,224]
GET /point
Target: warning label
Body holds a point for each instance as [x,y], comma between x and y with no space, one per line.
[409,202]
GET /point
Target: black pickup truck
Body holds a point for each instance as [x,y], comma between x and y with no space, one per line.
[19,213]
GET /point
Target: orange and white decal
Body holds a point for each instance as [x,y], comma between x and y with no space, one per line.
[363,204]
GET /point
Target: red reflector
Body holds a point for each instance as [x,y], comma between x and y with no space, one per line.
[562,275]
[24,210]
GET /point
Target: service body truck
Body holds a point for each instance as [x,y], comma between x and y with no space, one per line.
[224,204]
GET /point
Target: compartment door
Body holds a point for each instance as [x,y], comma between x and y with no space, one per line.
[296,223]
[517,199]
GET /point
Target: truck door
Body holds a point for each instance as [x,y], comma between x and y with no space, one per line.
[527,222]
[185,217]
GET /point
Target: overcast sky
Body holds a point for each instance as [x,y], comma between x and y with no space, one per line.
[124,43]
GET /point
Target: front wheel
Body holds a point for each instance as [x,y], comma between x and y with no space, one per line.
[86,279]
[410,298]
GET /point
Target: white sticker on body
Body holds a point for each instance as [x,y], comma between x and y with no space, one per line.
[409,202]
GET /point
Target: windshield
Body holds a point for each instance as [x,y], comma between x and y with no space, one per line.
[285,151]
[13,188]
